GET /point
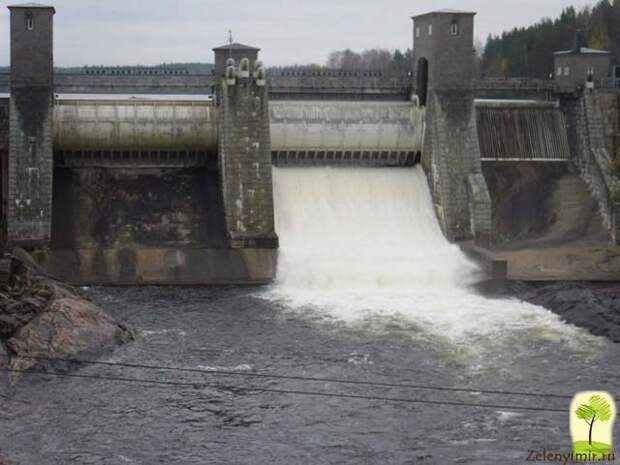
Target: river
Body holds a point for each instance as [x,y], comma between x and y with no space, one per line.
[367,290]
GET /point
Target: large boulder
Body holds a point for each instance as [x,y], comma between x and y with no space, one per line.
[70,327]
[43,321]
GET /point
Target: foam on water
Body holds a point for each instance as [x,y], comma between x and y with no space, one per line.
[359,244]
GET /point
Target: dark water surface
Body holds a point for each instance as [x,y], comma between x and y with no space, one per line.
[85,421]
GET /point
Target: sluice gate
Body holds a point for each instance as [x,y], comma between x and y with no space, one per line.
[177,131]
[362,133]
[137,131]
[521,130]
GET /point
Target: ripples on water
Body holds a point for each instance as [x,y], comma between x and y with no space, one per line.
[367,289]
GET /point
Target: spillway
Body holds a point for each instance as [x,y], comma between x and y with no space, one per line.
[361,133]
[360,243]
[362,228]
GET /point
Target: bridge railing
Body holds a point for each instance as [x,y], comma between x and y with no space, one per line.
[514,84]
[338,79]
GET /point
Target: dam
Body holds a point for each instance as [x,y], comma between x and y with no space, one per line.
[168,178]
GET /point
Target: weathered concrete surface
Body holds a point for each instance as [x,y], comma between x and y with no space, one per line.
[130,208]
[346,126]
[146,226]
[30,161]
[547,225]
[245,163]
[135,125]
[590,154]
[541,202]
[167,266]
[566,262]
[494,269]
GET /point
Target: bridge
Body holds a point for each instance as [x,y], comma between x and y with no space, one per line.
[129,178]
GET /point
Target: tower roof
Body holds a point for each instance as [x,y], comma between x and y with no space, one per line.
[583,51]
[235,46]
[446,11]
[32,5]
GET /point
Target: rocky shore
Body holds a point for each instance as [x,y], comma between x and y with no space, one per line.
[43,321]
[593,306]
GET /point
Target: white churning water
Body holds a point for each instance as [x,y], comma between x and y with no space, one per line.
[362,243]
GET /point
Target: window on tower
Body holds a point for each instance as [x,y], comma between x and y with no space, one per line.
[454,28]
[29,22]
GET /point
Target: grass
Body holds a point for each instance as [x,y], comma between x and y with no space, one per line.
[599,448]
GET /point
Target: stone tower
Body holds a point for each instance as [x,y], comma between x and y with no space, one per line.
[30,161]
[443,47]
[245,151]
[443,44]
[237,52]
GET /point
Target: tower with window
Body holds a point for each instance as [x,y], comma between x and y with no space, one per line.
[443,47]
[30,159]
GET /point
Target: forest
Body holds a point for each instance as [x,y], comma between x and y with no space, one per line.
[527,51]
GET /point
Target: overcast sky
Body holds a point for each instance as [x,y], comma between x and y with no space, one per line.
[110,32]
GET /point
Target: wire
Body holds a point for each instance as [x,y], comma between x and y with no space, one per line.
[301,378]
[287,391]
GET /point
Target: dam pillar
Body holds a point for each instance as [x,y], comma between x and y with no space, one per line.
[30,157]
[245,152]
[444,67]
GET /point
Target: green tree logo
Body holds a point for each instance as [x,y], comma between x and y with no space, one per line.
[595,409]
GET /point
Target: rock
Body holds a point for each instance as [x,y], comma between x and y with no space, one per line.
[595,307]
[70,327]
[4,376]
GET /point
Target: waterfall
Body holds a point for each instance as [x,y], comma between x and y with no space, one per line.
[360,228]
[362,244]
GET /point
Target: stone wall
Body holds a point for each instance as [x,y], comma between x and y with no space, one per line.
[451,158]
[590,155]
[4,151]
[610,105]
[30,161]
[245,163]
[30,167]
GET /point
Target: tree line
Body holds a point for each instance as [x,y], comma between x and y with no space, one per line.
[391,63]
[528,51]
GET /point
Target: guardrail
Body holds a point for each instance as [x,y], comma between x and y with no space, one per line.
[514,84]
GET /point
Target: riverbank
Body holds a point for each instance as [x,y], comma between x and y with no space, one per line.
[594,306]
[43,320]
